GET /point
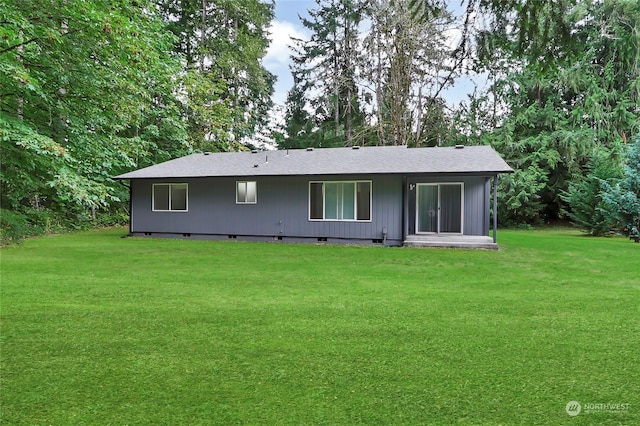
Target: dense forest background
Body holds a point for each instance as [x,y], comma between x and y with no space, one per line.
[90,89]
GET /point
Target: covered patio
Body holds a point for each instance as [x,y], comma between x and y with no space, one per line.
[445,236]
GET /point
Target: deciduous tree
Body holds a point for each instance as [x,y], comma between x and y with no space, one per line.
[85,93]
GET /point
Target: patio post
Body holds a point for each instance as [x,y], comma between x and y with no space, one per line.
[495,209]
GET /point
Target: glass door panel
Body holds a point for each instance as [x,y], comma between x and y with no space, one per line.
[427,214]
[451,208]
[439,208]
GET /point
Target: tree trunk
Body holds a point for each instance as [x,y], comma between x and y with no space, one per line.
[347,68]
[379,98]
[203,34]
[336,83]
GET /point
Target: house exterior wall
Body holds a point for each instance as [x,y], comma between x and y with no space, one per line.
[476,201]
[281,211]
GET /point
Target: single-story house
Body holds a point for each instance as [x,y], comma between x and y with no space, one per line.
[389,195]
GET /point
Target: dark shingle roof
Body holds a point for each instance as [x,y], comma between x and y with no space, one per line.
[331,161]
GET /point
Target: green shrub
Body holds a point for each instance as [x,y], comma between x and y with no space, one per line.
[108,219]
[586,207]
[519,197]
[621,198]
[16,225]
[13,226]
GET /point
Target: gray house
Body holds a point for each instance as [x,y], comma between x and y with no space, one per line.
[389,195]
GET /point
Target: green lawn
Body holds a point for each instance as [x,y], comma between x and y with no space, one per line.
[102,330]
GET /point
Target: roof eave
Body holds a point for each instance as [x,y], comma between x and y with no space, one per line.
[411,173]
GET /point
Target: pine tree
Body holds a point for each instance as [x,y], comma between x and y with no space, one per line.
[586,206]
[407,73]
[557,111]
[326,68]
[622,199]
[226,89]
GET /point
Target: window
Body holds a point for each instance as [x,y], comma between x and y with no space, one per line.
[344,201]
[246,193]
[168,197]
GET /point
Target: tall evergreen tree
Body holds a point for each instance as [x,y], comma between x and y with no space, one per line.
[299,125]
[410,65]
[375,85]
[586,206]
[225,88]
[622,198]
[556,115]
[326,68]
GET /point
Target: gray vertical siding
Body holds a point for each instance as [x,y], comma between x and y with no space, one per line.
[476,201]
[282,210]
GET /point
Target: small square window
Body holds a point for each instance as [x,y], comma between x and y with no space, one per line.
[169,197]
[246,192]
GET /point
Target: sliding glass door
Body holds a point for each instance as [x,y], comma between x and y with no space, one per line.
[439,208]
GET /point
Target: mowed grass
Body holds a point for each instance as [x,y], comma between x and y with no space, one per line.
[102,330]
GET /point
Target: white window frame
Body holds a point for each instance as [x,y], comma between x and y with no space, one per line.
[153,197]
[246,182]
[355,203]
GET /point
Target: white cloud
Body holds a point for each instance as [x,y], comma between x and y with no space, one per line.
[277,58]
[278,52]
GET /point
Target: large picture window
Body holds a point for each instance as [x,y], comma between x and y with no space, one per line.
[344,201]
[169,197]
[246,193]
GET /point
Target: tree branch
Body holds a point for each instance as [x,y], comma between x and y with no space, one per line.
[15,46]
[31,40]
